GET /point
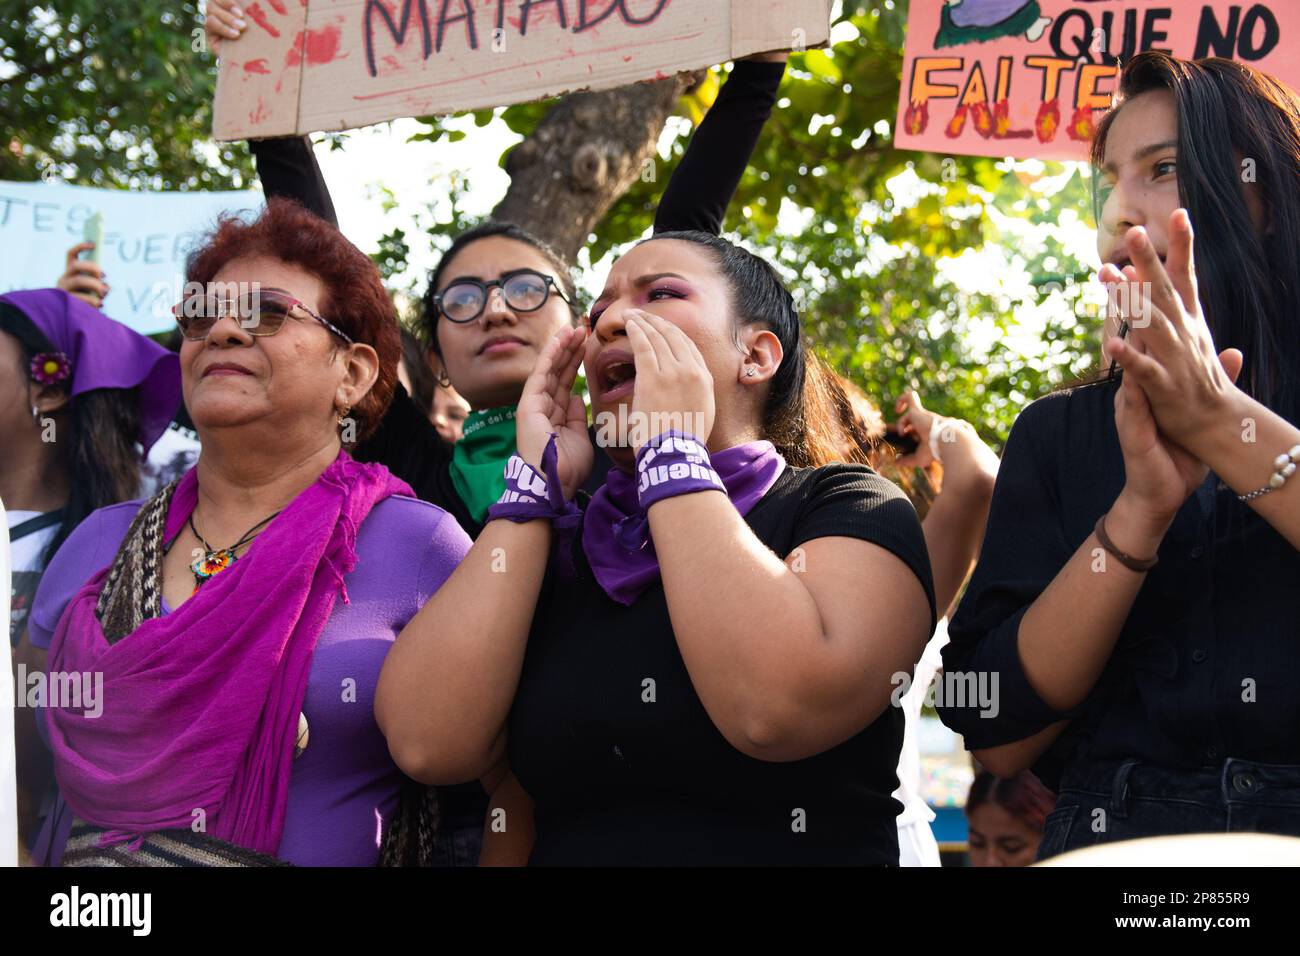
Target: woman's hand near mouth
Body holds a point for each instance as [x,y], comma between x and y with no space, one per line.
[1188,382]
[548,405]
[674,388]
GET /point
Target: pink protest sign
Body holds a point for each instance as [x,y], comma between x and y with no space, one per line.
[1029,78]
[306,65]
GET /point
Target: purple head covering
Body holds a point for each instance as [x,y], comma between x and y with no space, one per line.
[104,353]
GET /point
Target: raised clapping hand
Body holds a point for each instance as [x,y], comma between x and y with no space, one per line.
[1176,384]
[549,405]
[1171,354]
[674,387]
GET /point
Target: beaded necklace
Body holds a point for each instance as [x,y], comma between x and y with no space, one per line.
[216,560]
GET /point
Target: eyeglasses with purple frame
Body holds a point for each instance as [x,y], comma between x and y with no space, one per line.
[197,323]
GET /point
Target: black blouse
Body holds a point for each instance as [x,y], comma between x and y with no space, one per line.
[1206,665]
[619,779]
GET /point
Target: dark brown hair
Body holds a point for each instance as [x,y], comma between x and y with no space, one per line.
[1230,114]
[1023,796]
[799,417]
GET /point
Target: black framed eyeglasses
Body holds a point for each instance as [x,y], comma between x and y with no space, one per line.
[524,290]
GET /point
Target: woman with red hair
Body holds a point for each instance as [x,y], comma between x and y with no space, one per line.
[261,591]
[1005,818]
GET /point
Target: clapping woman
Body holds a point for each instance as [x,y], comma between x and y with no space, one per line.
[1134,598]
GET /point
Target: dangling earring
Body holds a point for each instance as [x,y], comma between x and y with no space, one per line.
[444,379]
[36,415]
[343,415]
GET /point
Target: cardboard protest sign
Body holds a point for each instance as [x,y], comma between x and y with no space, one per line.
[306,65]
[147,237]
[1025,78]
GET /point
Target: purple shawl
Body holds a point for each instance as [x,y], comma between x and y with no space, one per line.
[201,705]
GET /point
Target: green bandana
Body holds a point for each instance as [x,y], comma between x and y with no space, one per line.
[478,461]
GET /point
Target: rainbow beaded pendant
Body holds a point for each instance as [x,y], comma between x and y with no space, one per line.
[211,563]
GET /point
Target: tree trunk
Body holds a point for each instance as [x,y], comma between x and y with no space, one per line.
[582,157]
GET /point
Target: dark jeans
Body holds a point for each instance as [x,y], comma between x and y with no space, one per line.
[1124,800]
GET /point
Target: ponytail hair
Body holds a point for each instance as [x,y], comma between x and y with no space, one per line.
[860,431]
[838,424]
[799,416]
[860,426]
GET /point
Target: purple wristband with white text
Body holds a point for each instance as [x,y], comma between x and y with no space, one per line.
[673,463]
[529,496]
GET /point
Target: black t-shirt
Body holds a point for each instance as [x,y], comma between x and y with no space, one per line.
[617,779]
[1205,666]
[407,444]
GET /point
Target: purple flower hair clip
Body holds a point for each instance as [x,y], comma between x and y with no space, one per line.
[50,368]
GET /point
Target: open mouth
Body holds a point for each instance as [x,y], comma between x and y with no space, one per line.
[615,375]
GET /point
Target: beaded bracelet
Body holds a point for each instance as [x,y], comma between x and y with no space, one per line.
[1284,466]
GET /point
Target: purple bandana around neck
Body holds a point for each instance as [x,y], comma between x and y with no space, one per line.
[615,524]
[104,353]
